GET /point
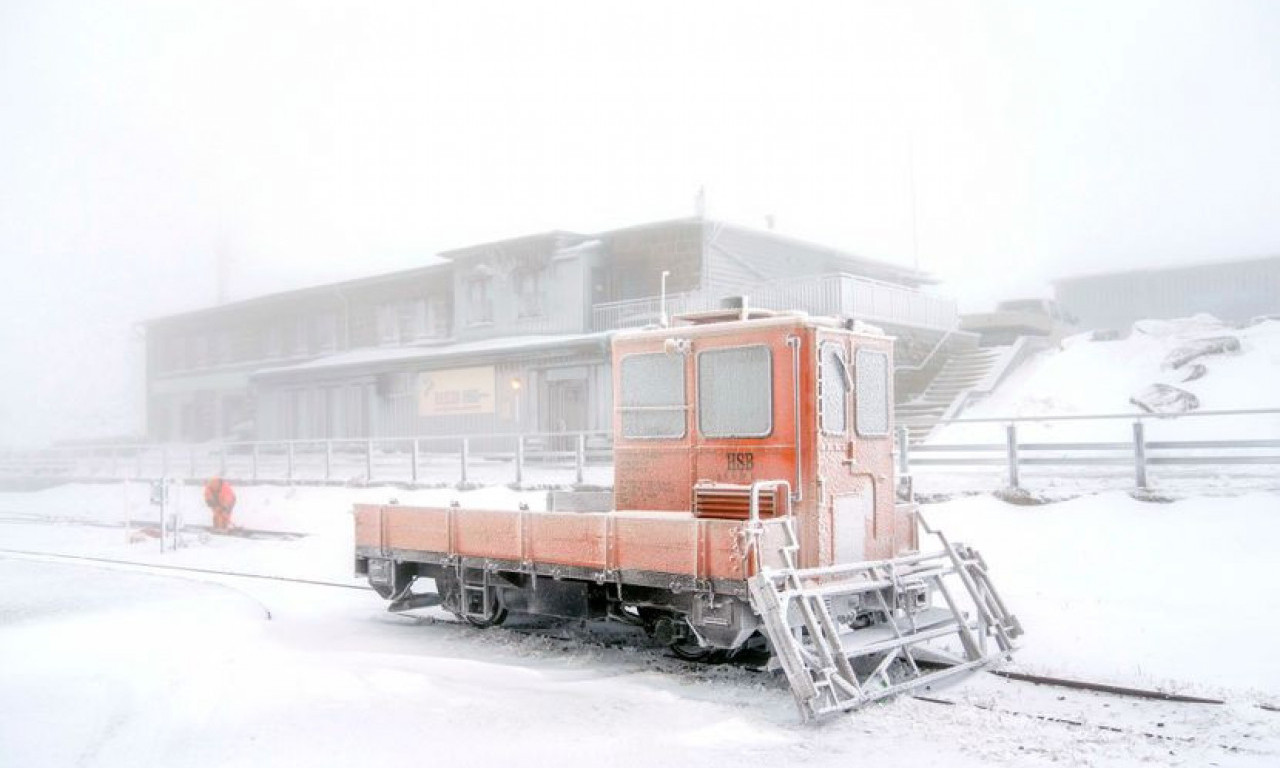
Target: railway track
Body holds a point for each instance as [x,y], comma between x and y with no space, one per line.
[1057,709]
[18,518]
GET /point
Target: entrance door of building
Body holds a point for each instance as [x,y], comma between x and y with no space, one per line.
[564,409]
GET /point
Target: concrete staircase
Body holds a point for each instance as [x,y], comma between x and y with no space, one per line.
[960,373]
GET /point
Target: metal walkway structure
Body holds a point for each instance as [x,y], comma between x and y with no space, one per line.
[906,643]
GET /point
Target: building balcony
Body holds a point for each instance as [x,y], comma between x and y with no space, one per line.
[840,294]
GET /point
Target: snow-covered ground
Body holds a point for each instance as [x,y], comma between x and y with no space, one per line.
[1087,377]
[112,667]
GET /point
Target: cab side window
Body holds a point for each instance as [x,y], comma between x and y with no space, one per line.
[871,392]
[833,389]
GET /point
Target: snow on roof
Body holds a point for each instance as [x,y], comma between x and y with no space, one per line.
[430,265]
[420,352]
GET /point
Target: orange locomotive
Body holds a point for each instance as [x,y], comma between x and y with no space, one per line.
[754,498]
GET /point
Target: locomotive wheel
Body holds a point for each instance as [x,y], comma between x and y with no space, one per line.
[496,616]
[697,653]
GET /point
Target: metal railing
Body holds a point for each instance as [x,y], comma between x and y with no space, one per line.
[831,294]
[541,459]
[1129,455]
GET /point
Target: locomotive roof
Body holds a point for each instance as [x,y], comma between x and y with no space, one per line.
[697,325]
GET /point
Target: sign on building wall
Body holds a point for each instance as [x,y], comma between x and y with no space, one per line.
[456,391]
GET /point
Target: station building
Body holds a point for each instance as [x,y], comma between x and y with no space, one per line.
[496,338]
[1234,291]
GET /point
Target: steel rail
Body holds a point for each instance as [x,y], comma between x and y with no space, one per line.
[33,554]
[1118,690]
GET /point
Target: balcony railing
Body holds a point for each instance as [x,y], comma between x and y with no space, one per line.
[834,294]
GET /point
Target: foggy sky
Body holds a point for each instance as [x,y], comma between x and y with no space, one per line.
[319,141]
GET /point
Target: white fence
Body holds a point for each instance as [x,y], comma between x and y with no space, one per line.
[560,458]
[1138,450]
[1132,450]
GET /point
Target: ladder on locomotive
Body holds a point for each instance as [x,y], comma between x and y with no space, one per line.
[833,669]
[476,600]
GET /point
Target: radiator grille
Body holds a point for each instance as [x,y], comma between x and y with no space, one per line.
[730,502]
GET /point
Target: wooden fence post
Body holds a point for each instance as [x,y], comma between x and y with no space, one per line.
[1011,443]
[519,459]
[580,456]
[413,458]
[463,456]
[1139,454]
[904,459]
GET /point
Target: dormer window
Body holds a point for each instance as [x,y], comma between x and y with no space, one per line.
[480,298]
[528,287]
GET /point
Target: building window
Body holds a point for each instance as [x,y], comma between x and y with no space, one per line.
[833,389]
[871,386]
[273,342]
[300,337]
[735,392]
[480,300]
[325,332]
[653,396]
[528,287]
[388,324]
[437,317]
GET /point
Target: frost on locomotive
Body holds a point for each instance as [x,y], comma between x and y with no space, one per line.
[754,502]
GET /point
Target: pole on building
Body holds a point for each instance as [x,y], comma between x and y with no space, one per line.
[254,457]
[368,461]
[1011,442]
[288,464]
[328,460]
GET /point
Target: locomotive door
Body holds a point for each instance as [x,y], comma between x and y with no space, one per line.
[847,499]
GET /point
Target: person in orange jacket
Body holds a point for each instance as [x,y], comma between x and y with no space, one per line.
[219,497]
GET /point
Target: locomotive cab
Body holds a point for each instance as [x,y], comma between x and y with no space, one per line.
[704,411]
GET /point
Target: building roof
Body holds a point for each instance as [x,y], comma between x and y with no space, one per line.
[1223,262]
[389,356]
[432,265]
[443,263]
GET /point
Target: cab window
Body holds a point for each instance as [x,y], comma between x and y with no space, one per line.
[735,392]
[653,396]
